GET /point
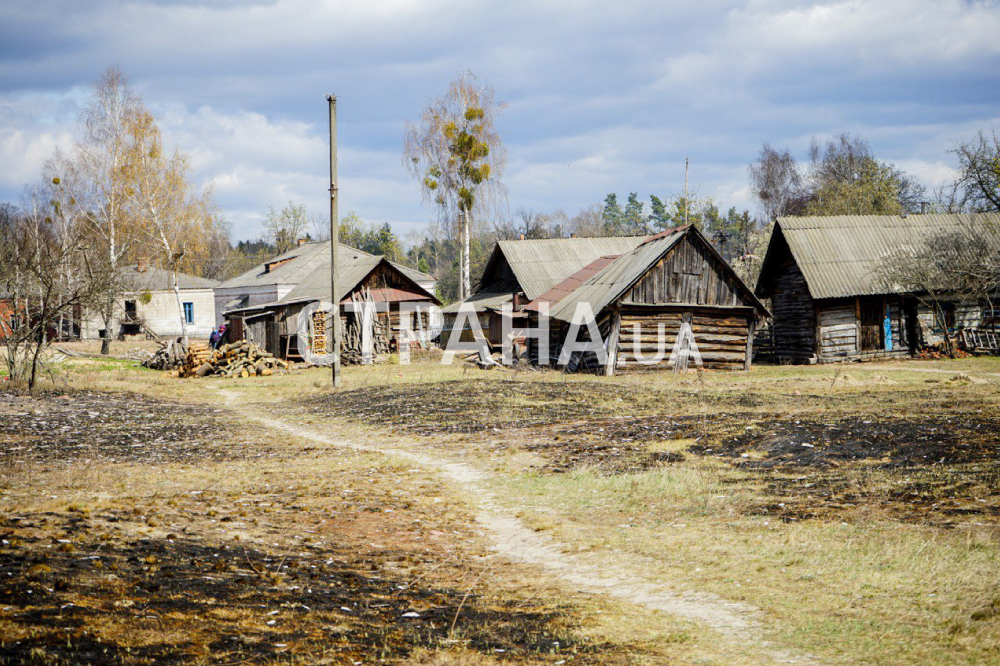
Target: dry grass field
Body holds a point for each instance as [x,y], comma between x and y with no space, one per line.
[448,515]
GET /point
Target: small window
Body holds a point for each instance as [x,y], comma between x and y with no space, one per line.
[946,312]
[991,316]
[189,313]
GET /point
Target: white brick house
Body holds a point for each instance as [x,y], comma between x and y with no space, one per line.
[151,306]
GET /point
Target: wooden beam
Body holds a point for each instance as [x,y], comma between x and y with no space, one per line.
[857,323]
[689,307]
[613,334]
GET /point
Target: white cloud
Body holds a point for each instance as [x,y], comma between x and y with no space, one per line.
[602,98]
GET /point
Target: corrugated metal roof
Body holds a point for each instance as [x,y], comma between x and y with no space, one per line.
[570,284]
[541,264]
[316,285]
[301,261]
[481,300]
[159,279]
[617,277]
[393,295]
[842,255]
[353,269]
[427,282]
[611,281]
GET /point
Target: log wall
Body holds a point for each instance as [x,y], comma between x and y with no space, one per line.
[967,315]
[838,329]
[794,314]
[721,337]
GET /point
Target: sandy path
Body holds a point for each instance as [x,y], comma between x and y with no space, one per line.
[509,537]
[937,371]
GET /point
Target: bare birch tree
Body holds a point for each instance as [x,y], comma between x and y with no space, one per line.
[777,183]
[979,172]
[98,172]
[457,155]
[283,228]
[172,214]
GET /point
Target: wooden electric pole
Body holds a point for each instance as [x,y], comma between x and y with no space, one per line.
[685,190]
[334,242]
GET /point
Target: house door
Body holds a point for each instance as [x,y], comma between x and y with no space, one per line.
[910,325]
[871,325]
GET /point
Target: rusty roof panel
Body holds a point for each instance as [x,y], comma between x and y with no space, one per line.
[609,283]
[570,284]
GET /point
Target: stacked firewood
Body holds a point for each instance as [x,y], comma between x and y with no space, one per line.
[352,352]
[198,354]
[169,357]
[239,359]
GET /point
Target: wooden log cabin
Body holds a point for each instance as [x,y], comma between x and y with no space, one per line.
[361,276]
[272,280]
[672,282]
[823,276]
[519,271]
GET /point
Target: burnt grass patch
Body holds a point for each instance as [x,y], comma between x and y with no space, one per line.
[935,468]
[936,460]
[86,596]
[102,427]
[470,406]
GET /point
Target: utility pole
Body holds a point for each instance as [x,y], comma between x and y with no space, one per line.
[334,241]
[685,190]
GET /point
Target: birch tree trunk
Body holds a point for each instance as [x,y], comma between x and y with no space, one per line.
[180,306]
[466,278]
[109,308]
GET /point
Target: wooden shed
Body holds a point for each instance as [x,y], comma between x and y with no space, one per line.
[273,280]
[830,303]
[519,271]
[674,281]
[361,277]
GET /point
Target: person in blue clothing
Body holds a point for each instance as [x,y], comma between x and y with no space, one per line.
[218,337]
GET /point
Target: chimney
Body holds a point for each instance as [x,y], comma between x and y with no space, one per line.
[572,235]
[140,266]
[302,241]
[517,302]
[521,237]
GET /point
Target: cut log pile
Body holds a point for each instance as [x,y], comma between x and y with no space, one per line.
[239,359]
[352,352]
[169,357]
[319,332]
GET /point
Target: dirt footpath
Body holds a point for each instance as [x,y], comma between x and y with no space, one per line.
[734,622]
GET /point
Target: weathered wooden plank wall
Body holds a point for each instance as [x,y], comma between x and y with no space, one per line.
[687,274]
[839,327]
[794,314]
[838,330]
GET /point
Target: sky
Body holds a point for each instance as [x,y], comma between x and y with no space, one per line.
[601,97]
